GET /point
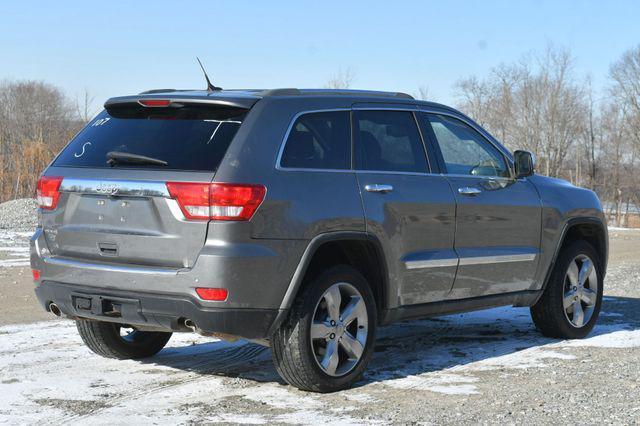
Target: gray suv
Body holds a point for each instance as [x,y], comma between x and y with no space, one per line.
[303,220]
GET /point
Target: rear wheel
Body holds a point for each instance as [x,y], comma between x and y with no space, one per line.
[112,340]
[571,302]
[327,341]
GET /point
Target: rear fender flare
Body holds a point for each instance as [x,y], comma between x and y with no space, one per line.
[298,276]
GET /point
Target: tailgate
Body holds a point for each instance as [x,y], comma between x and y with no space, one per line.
[113,202]
[122,221]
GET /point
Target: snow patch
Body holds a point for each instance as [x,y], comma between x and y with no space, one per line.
[614,339]
[446,383]
[618,228]
[15,245]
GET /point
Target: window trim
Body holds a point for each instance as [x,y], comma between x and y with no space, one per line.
[480,132]
[279,165]
[426,139]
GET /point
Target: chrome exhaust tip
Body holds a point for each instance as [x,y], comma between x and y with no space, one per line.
[55,310]
[190,324]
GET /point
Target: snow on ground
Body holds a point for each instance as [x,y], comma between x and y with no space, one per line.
[14,248]
[618,228]
[47,375]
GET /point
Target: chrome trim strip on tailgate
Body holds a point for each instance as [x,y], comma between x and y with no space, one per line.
[135,188]
[109,268]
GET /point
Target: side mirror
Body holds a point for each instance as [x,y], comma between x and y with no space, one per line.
[524,163]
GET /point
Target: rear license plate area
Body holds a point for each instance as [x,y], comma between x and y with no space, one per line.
[107,306]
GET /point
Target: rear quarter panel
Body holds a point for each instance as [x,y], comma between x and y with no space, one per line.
[299,204]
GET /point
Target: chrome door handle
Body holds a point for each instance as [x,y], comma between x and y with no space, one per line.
[468,190]
[378,187]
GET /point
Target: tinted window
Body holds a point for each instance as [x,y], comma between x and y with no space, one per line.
[319,140]
[464,150]
[184,143]
[389,141]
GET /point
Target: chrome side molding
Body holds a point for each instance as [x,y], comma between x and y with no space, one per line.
[466,261]
[503,258]
[431,263]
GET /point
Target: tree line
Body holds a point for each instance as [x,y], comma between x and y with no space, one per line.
[589,139]
[537,103]
[36,121]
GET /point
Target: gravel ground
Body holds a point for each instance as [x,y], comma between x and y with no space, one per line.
[18,215]
[489,367]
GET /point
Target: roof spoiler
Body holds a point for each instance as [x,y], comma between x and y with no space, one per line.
[177,98]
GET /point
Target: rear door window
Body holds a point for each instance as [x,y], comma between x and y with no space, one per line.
[389,141]
[319,140]
[191,139]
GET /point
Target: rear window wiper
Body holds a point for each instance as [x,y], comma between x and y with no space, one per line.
[115,157]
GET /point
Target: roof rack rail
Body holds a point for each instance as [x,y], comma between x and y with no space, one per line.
[346,92]
[282,92]
[149,92]
[404,95]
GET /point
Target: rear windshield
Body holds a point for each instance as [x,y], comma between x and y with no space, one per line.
[191,140]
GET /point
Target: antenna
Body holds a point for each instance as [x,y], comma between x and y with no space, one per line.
[210,87]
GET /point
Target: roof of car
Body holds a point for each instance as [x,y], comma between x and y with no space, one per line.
[245,98]
[262,93]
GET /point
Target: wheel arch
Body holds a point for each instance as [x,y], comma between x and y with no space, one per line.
[590,229]
[358,249]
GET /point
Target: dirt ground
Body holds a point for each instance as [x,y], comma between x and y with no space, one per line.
[484,367]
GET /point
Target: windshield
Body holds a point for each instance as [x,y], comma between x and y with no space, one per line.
[183,143]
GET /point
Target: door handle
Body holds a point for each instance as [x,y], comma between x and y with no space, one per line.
[469,190]
[378,187]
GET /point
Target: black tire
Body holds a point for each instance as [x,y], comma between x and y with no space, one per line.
[104,339]
[291,344]
[548,313]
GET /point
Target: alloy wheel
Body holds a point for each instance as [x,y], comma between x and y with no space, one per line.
[339,329]
[580,291]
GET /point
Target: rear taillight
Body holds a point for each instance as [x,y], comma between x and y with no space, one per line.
[217,201]
[36,275]
[47,192]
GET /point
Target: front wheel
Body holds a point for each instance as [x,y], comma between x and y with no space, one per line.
[327,341]
[571,302]
[112,340]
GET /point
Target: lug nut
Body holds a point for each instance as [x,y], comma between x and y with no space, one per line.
[332,336]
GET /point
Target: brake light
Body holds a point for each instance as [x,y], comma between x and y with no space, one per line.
[217,201]
[217,294]
[36,274]
[154,102]
[47,192]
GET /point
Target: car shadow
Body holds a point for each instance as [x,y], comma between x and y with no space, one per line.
[407,348]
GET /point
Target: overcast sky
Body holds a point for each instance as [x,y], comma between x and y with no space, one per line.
[115,48]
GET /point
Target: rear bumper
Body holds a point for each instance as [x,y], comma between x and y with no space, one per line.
[256,273]
[153,311]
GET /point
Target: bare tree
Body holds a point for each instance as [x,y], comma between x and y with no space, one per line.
[343,79]
[625,74]
[423,93]
[84,107]
[37,120]
[536,106]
